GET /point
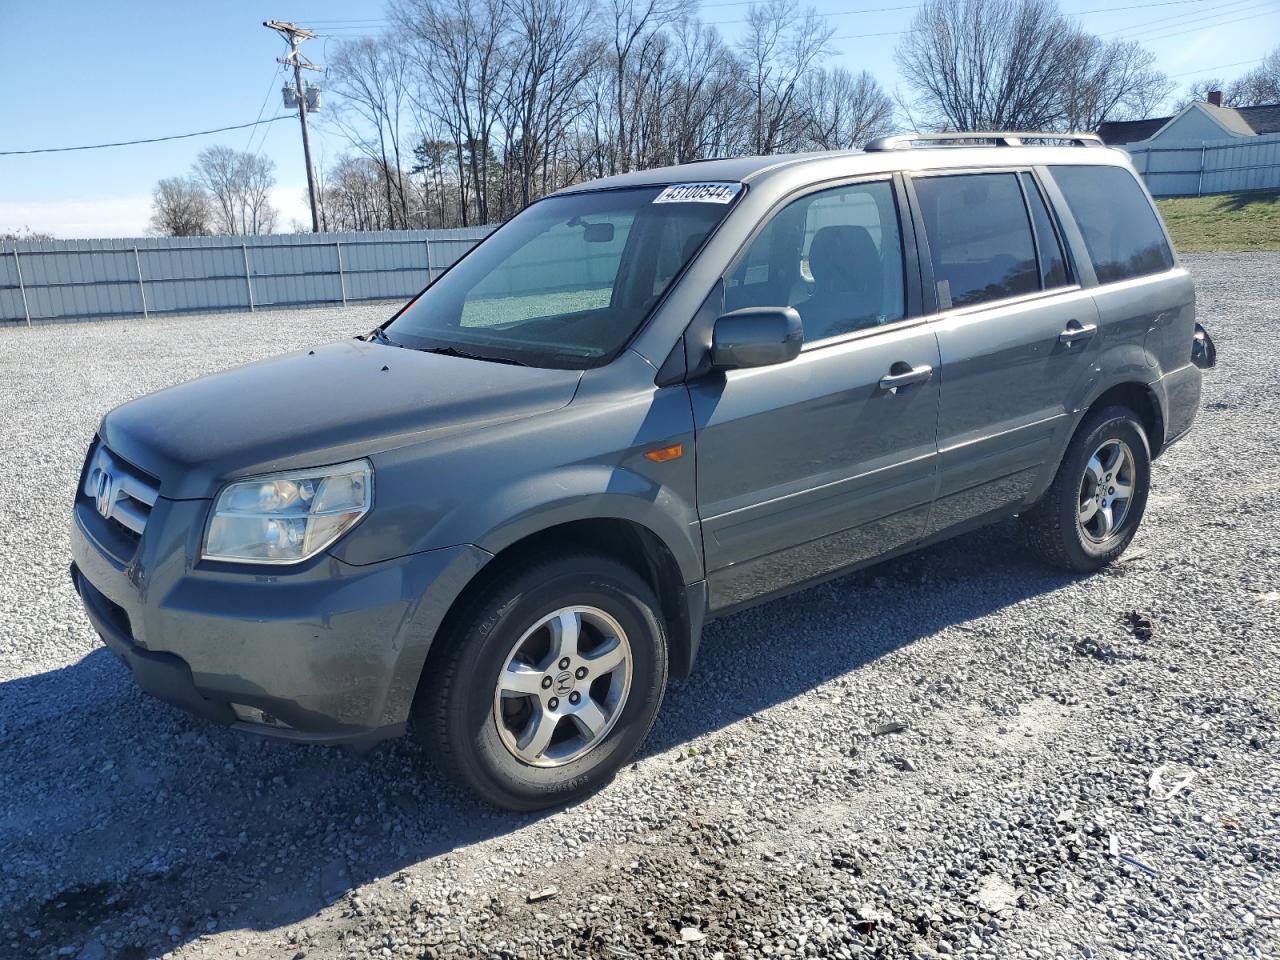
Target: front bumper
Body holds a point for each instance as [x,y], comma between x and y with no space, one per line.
[327,652]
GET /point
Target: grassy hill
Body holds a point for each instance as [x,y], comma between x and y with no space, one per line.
[1224,221]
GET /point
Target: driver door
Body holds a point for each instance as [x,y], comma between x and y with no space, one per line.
[812,466]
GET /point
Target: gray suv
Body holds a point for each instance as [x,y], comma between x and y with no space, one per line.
[502,518]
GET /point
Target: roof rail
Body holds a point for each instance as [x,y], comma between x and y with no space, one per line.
[1002,138]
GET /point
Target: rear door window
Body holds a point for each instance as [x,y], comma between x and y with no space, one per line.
[979,235]
[1053,264]
[1120,228]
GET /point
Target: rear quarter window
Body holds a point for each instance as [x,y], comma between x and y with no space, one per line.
[1121,231]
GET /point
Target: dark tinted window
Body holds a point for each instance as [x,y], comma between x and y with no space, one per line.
[835,255]
[979,237]
[1053,265]
[1120,228]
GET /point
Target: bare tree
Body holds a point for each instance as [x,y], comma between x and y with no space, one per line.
[1199,91]
[180,208]
[1258,87]
[1109,81]
[547,66]
[25,233]
[634,27]
[457,51]
[843,111]
[370,76]
[989,64]
[710,97]
[355,195]
[779,48]
[240,185]
[505,101]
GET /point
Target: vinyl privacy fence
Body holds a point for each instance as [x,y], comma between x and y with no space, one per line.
[1215,166]
[92,279]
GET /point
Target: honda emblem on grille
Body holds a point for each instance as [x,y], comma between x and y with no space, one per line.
[103,496]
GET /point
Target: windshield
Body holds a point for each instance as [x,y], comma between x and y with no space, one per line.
[568,281]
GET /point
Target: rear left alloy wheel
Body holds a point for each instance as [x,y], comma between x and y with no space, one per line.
[1092,510]
[549,682]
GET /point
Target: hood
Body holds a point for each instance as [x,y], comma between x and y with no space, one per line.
[334,403]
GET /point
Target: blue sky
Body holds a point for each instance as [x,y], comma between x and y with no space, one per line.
[88,72]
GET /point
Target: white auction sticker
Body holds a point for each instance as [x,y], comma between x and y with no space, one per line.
[699,193]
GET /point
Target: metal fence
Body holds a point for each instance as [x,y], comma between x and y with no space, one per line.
[1216,166]
[90,279]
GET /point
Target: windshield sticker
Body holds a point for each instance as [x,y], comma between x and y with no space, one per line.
[698,193]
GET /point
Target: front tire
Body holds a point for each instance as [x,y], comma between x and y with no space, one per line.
[548,682]
[1092,509]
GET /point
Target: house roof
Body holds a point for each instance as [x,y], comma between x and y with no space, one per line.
[1262,119]
[1115,132]
[1240,121]
[1230,118]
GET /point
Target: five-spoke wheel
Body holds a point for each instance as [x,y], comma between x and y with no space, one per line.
[563,686]
[547,680]
[1106,490]
[1092,509]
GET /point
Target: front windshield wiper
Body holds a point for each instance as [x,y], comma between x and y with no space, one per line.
[455,352]
[378,335]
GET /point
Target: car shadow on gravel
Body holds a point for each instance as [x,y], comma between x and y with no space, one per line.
[126,823]
[769,654]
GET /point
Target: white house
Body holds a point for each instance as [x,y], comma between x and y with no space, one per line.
[1205,148]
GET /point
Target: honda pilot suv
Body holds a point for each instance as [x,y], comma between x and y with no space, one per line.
[502,519]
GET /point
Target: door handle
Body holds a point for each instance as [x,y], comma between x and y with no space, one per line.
[1076,332]
[908,376]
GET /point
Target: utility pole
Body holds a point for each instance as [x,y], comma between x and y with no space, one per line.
[295,35]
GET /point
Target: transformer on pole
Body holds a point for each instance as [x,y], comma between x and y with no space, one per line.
[303,97]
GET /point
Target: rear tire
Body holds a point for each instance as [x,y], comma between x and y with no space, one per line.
[495,703]
[1085,519]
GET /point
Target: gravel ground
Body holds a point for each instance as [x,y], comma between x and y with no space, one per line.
[956,753]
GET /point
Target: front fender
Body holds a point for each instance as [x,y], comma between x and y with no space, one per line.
[579,492]
[492,487]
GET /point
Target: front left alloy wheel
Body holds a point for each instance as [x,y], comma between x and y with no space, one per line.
[547,682]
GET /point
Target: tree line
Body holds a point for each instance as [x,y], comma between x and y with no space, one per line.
[464,111]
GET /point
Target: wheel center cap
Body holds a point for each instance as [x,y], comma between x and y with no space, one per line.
[564,683]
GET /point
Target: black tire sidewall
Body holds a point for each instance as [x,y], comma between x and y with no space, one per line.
[1114,424]
[478,751]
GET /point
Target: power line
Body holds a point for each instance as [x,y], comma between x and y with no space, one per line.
[1144,35]
[1200,16]
[1221,66]
[861,36]
[271,86]
[1155,25]
[916,6]
[833,13]
[366,23]
[130,143]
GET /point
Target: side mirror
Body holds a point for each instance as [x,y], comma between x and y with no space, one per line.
[756,337]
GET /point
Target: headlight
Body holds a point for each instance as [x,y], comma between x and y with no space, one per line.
[287,517]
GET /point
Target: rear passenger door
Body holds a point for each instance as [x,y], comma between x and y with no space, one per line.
[1016,334]
[1145,310]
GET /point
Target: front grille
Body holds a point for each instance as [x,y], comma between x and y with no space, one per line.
[120,493]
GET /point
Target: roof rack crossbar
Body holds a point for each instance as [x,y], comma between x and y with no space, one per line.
[1007,138]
